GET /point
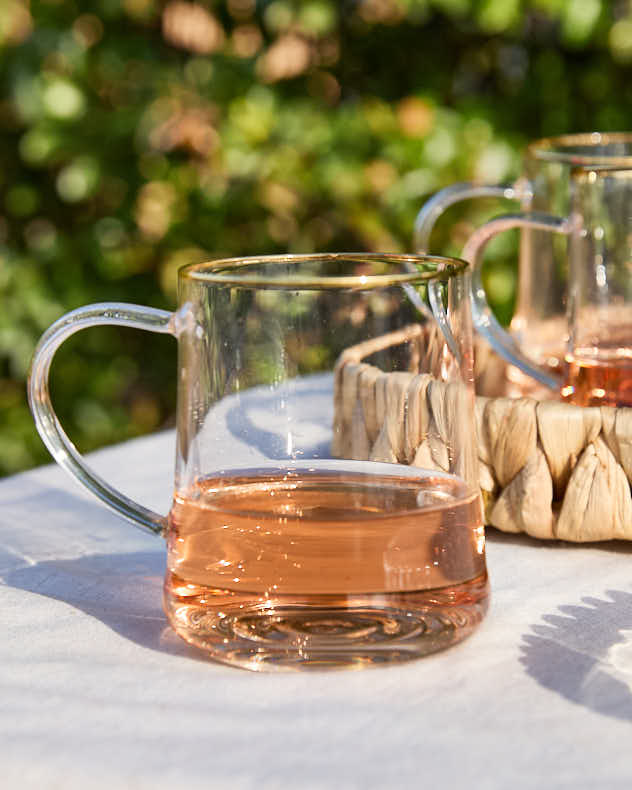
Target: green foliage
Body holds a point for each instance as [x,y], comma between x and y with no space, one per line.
[139,135]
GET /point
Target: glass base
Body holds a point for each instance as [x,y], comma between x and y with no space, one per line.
[287,632]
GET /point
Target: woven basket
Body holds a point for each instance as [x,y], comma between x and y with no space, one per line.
[549,469]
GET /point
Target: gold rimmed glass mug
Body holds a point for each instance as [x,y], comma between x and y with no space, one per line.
[288,544]
[539,334]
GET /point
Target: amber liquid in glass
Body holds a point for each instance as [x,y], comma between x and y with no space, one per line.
[325,567]
[605,380]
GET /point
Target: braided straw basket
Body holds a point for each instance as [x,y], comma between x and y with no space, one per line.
[546,468]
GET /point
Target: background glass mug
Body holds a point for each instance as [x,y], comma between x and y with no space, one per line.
[284,549]
[596,369]
[539,322]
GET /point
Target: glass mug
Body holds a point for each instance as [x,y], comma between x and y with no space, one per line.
[596,366]
[287,546]
[539,325]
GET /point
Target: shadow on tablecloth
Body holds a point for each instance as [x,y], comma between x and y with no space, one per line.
[123,591]
[585,653]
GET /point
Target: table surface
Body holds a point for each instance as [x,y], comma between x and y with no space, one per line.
[98,692]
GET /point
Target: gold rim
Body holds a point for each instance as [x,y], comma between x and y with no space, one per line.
[561,149]
[238,271]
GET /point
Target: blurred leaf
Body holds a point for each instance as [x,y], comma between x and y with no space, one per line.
[580,19]
[495,16]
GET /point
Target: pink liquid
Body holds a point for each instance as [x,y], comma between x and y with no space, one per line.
[325,567]
[599,381]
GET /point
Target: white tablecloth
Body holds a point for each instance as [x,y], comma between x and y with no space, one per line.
[97,692]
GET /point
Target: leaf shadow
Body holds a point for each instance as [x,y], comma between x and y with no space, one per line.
[584,654]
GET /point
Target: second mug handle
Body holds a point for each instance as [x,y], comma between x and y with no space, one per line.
[455,193]
[484,320]
[49,427]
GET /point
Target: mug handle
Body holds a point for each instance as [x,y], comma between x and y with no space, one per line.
[46,421]
[425,222]
[484,320]
[455,193]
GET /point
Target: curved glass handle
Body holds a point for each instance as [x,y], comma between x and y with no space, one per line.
[485,322]
[455,193]
[49,427]
[424,223]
